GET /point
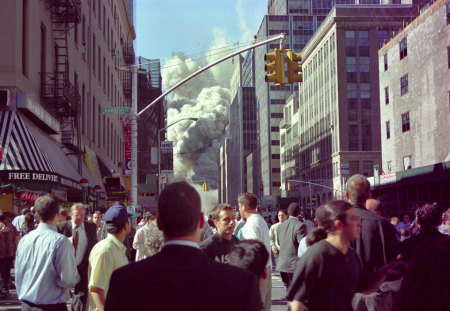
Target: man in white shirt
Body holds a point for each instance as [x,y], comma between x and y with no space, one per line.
[256,228]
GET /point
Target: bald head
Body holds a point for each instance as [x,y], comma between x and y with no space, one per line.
[358,189]
[373,206]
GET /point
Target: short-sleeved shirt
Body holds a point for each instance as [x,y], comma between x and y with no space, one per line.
[106,256]
[218,248]
[326,279]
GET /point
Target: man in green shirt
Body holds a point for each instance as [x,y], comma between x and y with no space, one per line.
[108,255]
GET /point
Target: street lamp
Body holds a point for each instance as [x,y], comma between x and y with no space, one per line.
[159,147]
[84,183]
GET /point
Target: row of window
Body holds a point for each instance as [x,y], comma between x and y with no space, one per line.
[406,125]
[403,48]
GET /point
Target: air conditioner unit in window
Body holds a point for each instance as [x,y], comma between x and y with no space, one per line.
[114,51]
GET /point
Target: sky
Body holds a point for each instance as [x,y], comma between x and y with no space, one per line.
[167,26]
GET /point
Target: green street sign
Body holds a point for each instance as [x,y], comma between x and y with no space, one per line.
[115,110]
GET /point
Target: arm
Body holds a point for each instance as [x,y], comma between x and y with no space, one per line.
[273,239]
[372,282]
[296,305]
[65,265]
[301,233]
[98,296]
[138,241]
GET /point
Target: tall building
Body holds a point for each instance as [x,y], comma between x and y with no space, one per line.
[414,92]
[57,96]
[414,97]
[338,113]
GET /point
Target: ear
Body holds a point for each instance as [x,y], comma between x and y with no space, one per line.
[338,224]
[346,195]
[370,195]
[202,220]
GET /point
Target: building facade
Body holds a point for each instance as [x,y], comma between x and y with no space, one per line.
[61,58]
[414,92]
[338,115]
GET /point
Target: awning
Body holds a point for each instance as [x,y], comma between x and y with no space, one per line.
[20,151]
[29,155]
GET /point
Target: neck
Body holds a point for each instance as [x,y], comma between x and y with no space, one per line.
[337,241]
[226,236]
[121,235]
[193,237]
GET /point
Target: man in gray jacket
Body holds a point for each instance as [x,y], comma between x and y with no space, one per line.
[290,232]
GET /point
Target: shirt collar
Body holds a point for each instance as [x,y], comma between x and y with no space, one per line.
[73,225]
[116,241]
[181,242]
[43,225]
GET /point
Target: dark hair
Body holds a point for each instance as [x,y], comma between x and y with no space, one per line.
[47,207]
[179,208]
[29,221]
[425,285]
[293,209]
[283,210]
[219,208]
[429,215]
[114,228]
[250,255]
[2,216]
[358,189]
[25,211]
[248,199]
[326,215]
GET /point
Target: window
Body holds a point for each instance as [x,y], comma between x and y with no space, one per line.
[389,166]
[93,52]
[385,62]
[407,162]
[448,56]
[388,129]
[403,48]
[386,95]
[448,12]
[404,85]
[351,63]
[405,122]
[365,90]
[367,168]
[364,64]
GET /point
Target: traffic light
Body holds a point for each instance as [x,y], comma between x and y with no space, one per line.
[289,186]
[294,67]
[205,186]
[275,68]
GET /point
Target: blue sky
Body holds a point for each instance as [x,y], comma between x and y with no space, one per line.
[167,26]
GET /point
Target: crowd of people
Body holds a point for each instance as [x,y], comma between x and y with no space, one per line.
[349,257]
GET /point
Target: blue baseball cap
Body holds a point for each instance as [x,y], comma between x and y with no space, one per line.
[116,215]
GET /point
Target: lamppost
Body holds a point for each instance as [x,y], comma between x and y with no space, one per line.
[159,147]
[84,183]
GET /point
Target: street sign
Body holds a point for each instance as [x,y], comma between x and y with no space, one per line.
[115,110]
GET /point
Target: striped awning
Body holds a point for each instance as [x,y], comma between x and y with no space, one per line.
[20,151]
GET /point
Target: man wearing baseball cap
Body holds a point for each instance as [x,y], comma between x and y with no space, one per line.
[108,255]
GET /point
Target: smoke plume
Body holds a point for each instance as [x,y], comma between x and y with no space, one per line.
[206,97]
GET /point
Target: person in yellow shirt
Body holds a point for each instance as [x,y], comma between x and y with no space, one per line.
[108,255]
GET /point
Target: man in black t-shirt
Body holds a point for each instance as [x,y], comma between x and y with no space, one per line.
[218,246]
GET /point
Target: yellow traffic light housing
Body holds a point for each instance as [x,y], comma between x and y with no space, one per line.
[205,186]
[294,67]
[289,186]
[276,67]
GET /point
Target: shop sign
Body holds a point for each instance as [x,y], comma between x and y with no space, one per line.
[29,196]
[388,178]
[29,176]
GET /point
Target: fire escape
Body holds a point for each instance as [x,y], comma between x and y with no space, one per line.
[128,55]
[60,97]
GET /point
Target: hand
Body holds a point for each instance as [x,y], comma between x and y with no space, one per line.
[396,268]
[71,240]
[275,251]
[4,229]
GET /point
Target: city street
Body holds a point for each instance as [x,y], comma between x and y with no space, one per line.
[278,301]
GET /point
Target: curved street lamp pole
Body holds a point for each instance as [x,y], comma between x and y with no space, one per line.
[159,147]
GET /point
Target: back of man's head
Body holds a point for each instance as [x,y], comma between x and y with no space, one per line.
[179,208]
[293,209]
[374,206]
[250,255]
[26,211]
[429,216]
[249,200]
[46,207]
[358,189]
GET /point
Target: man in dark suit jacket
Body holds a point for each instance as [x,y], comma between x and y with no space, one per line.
[377,246]
[289,233]
[83,235]
[181,276]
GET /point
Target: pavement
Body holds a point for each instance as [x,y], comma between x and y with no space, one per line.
[278,293]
